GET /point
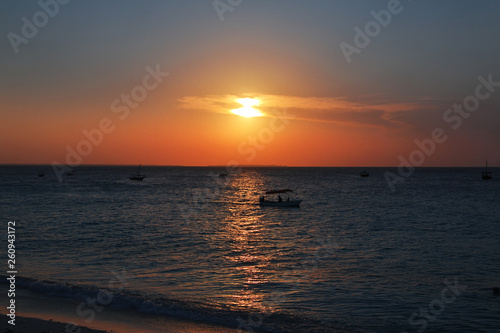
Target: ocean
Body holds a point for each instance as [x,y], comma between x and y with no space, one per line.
[356,256]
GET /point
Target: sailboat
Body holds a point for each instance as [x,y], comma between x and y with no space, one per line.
[486,174]
[137,176]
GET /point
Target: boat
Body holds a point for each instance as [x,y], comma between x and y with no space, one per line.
[223,174]
[280,202]
[41,174]
[137,176]
[70,173]
[291,203]
[364,174]
[485,175]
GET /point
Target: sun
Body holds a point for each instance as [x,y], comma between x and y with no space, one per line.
[247,110]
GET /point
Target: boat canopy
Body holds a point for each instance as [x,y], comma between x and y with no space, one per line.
[278,191]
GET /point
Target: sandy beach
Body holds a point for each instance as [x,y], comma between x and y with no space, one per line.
[35,325]
[25,324]
[41,314]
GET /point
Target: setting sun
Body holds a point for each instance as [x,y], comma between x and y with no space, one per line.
[247,110]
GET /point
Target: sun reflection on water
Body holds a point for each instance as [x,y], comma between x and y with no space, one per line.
[246,239]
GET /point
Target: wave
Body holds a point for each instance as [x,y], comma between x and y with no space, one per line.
[276,322]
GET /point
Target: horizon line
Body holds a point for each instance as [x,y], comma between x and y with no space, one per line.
[236,166]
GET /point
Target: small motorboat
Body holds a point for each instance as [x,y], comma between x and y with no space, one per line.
[486,175]
[280,202]
[41,174]
[364,174]
[70,173]
[137,176]
[290,203]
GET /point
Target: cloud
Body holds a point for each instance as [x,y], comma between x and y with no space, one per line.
[372,110]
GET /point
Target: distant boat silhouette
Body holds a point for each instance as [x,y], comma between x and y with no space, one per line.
[137,176]
[486,174]
[223,174]
[364,174]
[41,174]
[70,173]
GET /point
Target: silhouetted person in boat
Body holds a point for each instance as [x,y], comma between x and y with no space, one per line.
[262,198]
[279,198]
[288,199]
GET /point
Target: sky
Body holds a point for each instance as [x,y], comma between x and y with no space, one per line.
[335,83]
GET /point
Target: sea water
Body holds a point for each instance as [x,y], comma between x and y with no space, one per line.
[357,256]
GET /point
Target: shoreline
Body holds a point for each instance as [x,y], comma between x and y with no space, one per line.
[57,323]
[38,313]
[29,324]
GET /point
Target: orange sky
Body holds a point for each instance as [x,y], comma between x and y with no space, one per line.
[366,113]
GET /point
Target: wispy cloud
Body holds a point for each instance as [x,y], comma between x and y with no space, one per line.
[372,110]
